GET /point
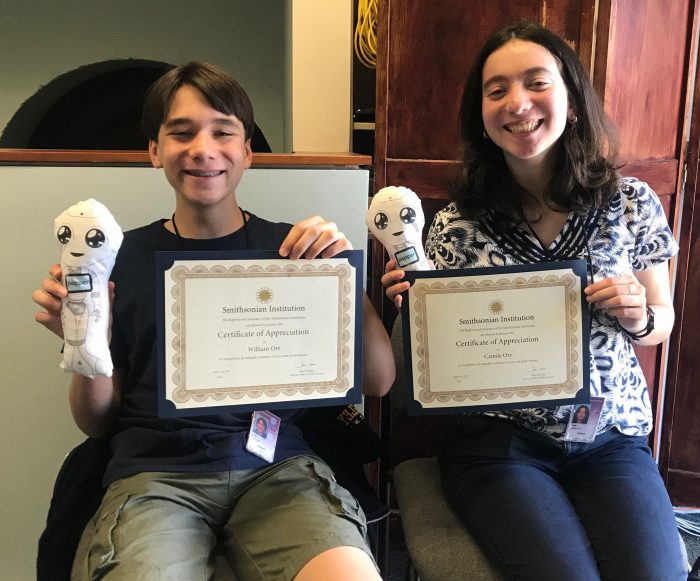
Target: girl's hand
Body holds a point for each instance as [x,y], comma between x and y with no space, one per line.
[623,297]
[392,280]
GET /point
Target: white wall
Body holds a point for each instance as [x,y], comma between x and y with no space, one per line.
[321,75]
[36,430]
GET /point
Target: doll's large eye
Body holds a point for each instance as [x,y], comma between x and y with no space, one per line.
[64,234]
[95,238]
[381,221]
[407,215]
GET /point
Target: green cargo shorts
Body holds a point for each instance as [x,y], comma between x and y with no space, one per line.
[268,522]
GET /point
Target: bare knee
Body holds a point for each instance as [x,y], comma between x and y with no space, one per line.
[339,564]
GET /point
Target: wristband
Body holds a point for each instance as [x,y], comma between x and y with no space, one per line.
[645,331]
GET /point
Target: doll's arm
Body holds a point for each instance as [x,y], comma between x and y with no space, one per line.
[95,295]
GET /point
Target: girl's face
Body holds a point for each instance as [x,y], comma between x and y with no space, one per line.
[581,414]
[524,102]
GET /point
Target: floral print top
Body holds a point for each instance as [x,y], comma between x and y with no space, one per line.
[631,234]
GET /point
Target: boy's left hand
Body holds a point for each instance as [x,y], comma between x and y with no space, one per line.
[312,238]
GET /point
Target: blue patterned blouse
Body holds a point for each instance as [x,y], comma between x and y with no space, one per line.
[630,234]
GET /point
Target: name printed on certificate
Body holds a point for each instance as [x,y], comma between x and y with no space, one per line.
[259,333]
[506,337]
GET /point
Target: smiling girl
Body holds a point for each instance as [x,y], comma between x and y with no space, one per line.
[540,184]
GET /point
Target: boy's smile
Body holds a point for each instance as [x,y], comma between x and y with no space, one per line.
[202,151]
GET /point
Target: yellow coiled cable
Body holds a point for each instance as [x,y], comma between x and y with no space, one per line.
[365,40]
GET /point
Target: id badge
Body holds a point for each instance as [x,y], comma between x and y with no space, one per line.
[583,421]
[262,437]
[406,256]
[78,282]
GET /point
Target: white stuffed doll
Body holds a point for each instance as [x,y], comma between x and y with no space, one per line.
[395,217]
[90,238]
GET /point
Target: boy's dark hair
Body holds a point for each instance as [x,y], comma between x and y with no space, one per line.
[585,175]
[220,90]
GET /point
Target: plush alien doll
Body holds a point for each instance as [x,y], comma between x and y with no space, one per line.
[89,238]
[395,217]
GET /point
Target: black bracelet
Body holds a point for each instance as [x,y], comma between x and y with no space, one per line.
[645,331]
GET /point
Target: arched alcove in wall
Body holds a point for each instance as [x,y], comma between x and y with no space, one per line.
[96,106]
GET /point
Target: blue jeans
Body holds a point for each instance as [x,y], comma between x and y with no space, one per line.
[565,511]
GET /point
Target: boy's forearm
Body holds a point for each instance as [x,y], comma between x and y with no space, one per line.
[94,403]
[378,370]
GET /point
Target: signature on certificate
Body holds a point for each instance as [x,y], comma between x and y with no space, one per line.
[305,364]
[538,372]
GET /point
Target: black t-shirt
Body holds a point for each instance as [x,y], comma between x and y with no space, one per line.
[143,442]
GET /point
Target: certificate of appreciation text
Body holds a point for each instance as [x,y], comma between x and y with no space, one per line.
[258,333]
[502,337]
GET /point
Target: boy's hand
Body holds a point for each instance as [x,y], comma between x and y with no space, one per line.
[48,297]
[314,237]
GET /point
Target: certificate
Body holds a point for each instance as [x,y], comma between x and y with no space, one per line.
[497,338]
[249,330]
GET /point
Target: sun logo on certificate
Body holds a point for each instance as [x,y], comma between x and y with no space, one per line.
[264,295]
[496,307]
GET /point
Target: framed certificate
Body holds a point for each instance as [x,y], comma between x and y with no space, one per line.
[497,338]
[241,331]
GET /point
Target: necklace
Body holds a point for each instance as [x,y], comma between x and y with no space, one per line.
[182,240]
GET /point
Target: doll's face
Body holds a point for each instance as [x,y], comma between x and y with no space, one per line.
[395,216]
[87,233]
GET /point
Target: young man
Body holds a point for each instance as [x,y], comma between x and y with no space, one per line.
[178,487]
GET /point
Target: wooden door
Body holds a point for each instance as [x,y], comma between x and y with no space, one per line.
[679,450]
[636,52]
[425,52]
[641,70]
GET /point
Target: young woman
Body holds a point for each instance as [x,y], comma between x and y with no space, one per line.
[540,184]
[581,415]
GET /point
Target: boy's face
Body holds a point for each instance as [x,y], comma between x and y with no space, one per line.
[202,151]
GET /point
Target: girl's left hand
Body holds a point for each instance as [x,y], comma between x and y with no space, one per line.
[623,297]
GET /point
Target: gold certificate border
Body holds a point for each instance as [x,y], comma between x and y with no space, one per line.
[569,387]
[180,274]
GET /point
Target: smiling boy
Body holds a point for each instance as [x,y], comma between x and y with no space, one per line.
[178,487]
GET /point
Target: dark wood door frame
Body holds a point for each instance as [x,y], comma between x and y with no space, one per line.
[678,440]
